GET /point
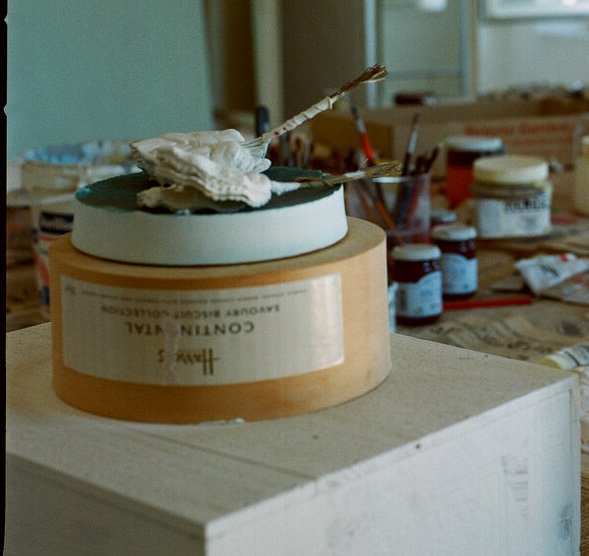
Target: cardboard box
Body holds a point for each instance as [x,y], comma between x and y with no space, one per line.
[457,452]
[541,127]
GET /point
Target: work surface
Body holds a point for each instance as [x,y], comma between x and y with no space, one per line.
[430,454]
[524,332]
[521,331]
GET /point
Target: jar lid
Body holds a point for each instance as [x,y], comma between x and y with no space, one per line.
[416,252]
[454,232]
[474,143]
[510,169]
[443,216]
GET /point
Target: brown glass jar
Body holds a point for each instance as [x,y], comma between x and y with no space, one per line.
[418,274]
[459,261]
[461,152]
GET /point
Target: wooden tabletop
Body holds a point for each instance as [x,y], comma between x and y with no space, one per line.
[496,264]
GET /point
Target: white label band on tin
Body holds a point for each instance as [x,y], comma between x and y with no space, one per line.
[514,218]
[202,337]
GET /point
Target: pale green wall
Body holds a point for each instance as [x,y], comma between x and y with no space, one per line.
[82,70]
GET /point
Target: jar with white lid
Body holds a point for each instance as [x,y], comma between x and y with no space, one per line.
[459,261]
[581,188]
[512,196]
[442,217]
[417,272]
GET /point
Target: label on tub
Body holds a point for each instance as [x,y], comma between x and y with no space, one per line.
[202,337]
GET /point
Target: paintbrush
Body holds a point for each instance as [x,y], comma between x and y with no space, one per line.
[385,169]
[262,118]
[364,139]
[406,187]
[431,159]
[259,145]
[411,145]
[367,150]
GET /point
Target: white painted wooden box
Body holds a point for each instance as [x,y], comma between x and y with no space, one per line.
[456,453]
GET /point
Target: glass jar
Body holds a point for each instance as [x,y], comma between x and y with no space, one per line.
[461,152]
[459,261]
[418,274]
[511,197]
